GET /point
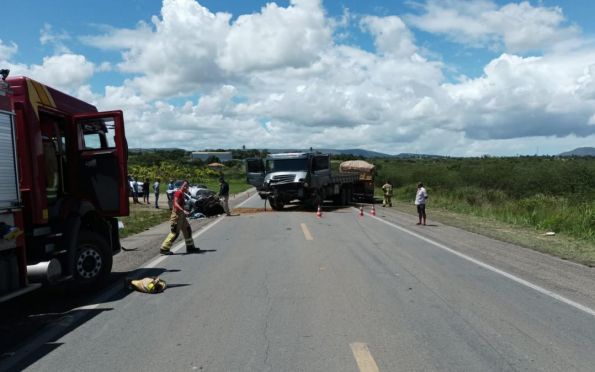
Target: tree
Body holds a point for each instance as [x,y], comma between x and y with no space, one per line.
[213,159]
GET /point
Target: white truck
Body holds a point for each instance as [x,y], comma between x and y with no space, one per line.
[302,177]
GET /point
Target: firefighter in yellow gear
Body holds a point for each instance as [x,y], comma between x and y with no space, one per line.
[179,223]
[388,194]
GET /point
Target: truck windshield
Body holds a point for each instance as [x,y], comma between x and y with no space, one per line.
[283,165]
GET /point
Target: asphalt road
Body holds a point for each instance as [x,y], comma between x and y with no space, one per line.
[287,291]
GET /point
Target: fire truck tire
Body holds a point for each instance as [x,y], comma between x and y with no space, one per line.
[92,261]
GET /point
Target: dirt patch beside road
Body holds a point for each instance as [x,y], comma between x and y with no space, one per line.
[250,210]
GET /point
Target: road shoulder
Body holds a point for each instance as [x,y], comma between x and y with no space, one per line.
[569,279]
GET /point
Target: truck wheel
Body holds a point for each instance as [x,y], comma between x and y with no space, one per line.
[340,198]
[349,196]
[92,261]
[316,201]
[344,195]
[276,204]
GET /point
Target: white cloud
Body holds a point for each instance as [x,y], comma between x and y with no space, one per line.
[520,97]
[276,37]
[190,48]
[391,35]
[393,100]
[176,55]
[277,78]
[48,36]
[586,83]
[516,27]
[65,72]
[7,51]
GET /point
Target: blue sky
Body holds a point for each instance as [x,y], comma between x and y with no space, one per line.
[450,77]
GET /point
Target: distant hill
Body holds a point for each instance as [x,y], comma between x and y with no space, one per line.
[581,151]
[355,152]
[137,150]
[417,156]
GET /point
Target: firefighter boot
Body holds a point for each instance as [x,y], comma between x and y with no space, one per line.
[192,249]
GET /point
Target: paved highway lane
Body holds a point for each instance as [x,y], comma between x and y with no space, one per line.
[285,291]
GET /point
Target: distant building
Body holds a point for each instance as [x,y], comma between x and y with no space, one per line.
[223,156]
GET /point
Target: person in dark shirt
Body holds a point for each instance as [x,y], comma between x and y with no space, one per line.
[146,191]
[224,194]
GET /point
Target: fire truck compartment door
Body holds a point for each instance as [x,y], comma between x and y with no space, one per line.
[102,166]
[9,182]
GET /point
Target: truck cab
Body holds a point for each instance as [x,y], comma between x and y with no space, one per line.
[285,177]
[72,180]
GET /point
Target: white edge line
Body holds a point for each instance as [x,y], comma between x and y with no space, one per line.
[363,357]
[535,287]
[100,300]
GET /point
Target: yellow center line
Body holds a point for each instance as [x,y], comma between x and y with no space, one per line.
[364,359]
[307,234]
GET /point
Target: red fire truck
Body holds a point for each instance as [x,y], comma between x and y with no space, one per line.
[63,183]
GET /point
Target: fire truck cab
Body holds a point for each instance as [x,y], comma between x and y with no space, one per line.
[63,183]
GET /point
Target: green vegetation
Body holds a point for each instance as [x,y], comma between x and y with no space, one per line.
[533,194]
[176,165]
[544,193]
[141,218]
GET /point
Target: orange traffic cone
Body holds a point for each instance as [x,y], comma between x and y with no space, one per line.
[319,213]
[361,211]
[373,212]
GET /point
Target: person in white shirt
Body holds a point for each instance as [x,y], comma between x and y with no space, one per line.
[420,202]
[156,191]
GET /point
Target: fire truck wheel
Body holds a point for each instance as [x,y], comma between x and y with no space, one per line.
[92,261]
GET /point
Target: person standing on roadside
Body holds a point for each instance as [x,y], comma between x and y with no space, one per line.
[134,191]
[179,222]
[146,191]
[170,193]
[156,191]
[420,202]
[388,194]
[224,194]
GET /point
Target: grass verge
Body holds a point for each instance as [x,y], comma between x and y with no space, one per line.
[141,218]
[559,245]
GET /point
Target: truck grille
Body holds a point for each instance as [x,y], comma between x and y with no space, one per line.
[284,178]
